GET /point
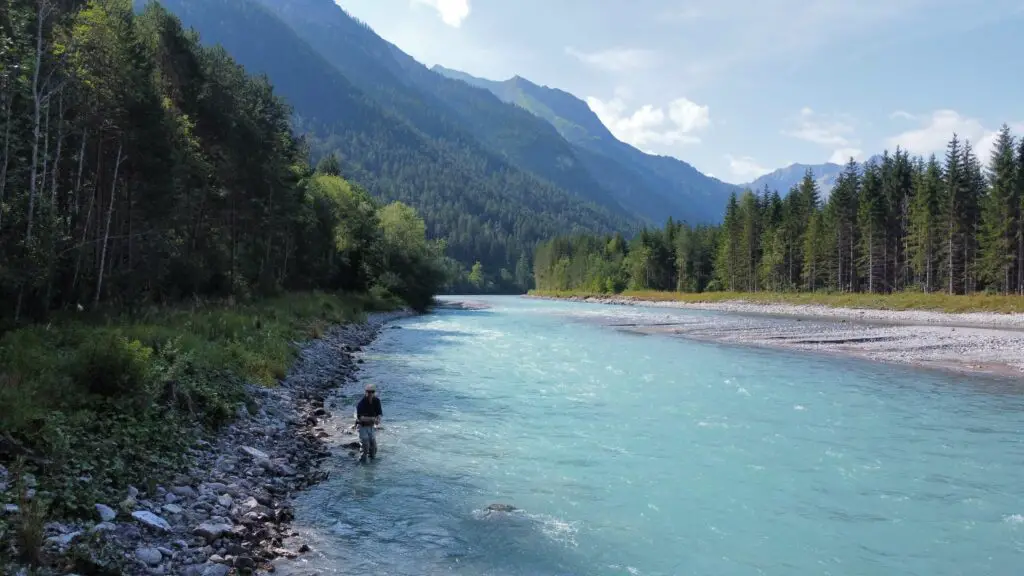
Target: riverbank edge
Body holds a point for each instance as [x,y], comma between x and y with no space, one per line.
[995,320]
[232,509]
[979,344]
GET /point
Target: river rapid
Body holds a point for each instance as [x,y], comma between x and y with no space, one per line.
[654,455]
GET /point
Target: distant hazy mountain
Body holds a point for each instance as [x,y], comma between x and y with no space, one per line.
[783,179]
[628,172]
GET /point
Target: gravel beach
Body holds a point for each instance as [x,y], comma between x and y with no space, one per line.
[970,343]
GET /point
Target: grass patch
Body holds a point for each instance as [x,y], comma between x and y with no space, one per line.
[898,301]
[93,403]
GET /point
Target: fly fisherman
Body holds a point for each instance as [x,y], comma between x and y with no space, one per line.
[368,414]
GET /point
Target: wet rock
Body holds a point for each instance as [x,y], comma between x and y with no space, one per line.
[151,520]
[501,508]
[103,527]
[150,556]
[212,530]
[183,492]
[105,512]
[255,453]
[244,564]
[215,570]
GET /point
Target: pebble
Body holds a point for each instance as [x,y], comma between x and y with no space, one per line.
[106,512]
[183,492]
[150,556]
[151,520]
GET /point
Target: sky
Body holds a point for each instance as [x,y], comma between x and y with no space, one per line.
[738,88]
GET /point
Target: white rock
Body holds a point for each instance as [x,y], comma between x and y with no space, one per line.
[225,500]
[64,539]
[151,520]
[173,509]
[257,454]
[106,513]
[150,556]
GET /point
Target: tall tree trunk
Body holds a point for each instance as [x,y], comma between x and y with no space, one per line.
[37,102]
[78,178]
[839,257]
[55,169]
[87,222]
[949,249]
[1020,255]
[106,233]
[8,101]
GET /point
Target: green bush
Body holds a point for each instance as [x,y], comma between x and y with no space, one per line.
[112,366]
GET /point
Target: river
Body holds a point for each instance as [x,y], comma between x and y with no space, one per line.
[654,455]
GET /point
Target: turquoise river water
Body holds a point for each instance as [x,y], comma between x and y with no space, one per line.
[654,455]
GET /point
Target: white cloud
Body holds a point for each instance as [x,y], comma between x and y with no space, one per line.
[833,132]
[937,129]
[689,115]
[615,59]
[452,12]
[649,124]
[843,155]
[745,168]
[902,115]
[821,129]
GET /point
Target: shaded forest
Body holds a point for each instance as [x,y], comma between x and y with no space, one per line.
[899,224]
[139,167]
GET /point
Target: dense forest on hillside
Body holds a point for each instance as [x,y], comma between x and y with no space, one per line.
[403,142]
[897,224]
[137,166]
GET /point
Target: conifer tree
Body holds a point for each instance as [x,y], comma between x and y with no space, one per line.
[871,218]
[925,223]
[1000,209]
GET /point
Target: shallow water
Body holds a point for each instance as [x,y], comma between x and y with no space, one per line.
[653,455]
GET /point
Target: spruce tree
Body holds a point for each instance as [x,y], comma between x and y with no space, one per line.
[844,200]
[925,223]
[871,219]
[953,207]
[1000,208]
[973,190]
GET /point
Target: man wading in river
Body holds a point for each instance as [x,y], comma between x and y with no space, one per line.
[368,413]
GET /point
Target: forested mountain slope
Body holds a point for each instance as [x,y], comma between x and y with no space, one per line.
[486,207]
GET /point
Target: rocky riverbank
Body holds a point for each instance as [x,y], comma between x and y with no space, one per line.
[968,343]
[872,315]
[230,512]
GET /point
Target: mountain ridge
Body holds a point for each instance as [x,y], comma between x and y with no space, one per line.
[785,178]
[670,177]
